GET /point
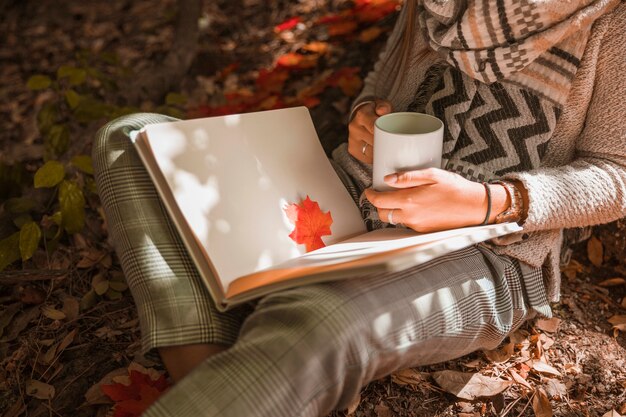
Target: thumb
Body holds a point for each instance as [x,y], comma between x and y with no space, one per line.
[383,107]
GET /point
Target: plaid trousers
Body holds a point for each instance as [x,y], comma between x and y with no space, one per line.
[307,350]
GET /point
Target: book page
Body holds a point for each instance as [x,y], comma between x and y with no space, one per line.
[232,176]
[383,249]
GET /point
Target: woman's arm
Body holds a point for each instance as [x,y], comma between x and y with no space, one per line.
[592,189]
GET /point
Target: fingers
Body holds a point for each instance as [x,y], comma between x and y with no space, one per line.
[392,216]
[415,178]
[362,151]
[383,107]
[390,199]
[361,130]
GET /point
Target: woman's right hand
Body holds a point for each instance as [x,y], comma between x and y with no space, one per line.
[361,129]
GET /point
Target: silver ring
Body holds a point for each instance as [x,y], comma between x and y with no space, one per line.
[390,217]
[364,148]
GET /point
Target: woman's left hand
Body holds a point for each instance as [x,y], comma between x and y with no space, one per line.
[431,199]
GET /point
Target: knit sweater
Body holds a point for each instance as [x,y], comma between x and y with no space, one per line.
[582,177]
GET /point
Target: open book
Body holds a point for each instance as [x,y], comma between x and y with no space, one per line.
[227,183]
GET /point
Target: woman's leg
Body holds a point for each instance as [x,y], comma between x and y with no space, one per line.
[175,310]
[307,350]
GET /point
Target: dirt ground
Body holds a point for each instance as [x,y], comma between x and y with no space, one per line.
[573,365]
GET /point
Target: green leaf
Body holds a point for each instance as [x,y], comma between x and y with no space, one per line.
[49,175]
[58,140]
[72,202]
[90,109]
[72,98]
[57,218]
[175,99]
[76,76]
[113,295]
[118,286]
[46,117]
[19,205]
[83,163]
[29,240]
[9,250]
[38,82]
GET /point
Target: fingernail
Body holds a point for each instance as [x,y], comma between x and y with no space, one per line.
[391,179]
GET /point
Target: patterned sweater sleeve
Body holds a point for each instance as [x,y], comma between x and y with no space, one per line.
[592,188]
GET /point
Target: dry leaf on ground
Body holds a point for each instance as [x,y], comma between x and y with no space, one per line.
[548,325]
[500,355]
[612,282]
[611,413]
[595,251]
[470,386]
[541,404]
[554,388]
[39,389]
[544,368]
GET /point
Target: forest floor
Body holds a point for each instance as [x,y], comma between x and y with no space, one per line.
[69,333]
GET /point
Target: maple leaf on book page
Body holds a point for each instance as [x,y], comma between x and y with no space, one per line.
[310,223]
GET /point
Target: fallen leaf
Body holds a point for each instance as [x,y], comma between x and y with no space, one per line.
[613,282]
[32,295]
[548,325]
[611,413]
[554,388]
[544,368]
[310,222]
[500,355]
[541,404]
[94,395]
[52,313]
[470,386]
[383,410]
[293,60]
[287,24]
[408,377]
[518,378]
[342,28]
[618,321]
[71,307]
[132,399]
[370,34]
[316,47]
[595,251]
[39,389]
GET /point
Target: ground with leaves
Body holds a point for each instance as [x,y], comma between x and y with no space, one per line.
[69,336]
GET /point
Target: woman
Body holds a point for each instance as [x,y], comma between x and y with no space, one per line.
[531,94]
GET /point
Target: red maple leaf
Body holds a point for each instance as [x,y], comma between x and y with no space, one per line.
[310,222]
[288,24]
[132,400]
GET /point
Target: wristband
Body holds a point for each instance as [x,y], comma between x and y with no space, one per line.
[514,212]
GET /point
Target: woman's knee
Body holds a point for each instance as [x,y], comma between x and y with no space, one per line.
[115,136]
[319,317]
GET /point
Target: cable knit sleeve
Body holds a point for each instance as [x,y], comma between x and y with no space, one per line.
[592,188]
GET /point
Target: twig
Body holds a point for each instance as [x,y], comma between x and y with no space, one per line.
[527,404]
[16,277]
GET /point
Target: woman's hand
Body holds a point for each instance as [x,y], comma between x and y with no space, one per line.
[433,199]
[361,129]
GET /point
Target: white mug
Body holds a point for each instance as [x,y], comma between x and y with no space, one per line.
[405,141]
